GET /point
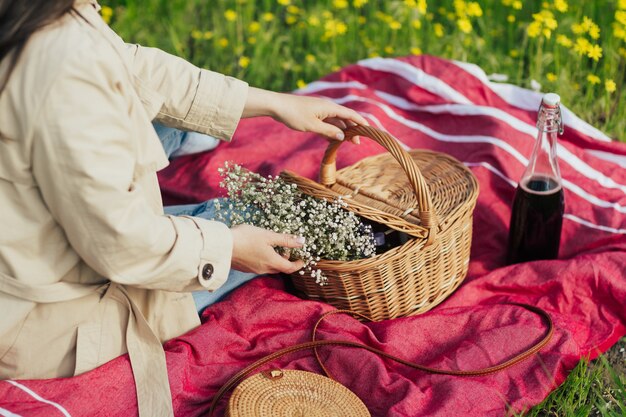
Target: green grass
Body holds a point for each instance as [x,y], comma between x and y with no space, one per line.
[589,390]
[279,46]
[282,46]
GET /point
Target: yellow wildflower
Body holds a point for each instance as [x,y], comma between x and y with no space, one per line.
[244,61]
[593,79]
[460,7]
[610,86]
[254,27]
[389,49]
[340,4]
[622,52]
[327,14]
[334,28]
[551,76]
[301,84]
[564,41]
[465,25]
[514,53]
[547,33]
[293,9]
[549,21]
[474,9]
[620,16]
[510,18]
[422,6]
[582,46]
[291,19]
[310,58]
[619,32]
[438,29]
[595,52]
[106,12]
[587,23]
[594,31]
[395,25]
[578,29]
[534,29]
[373,55]
[359,3]
[362,20]
[417,24]
[416,51]
[267,17]
[507,2]
[517,5]
[230,15]
[223,42]
[621,4]
[410,3]
[284,2]
[335,68]
[313,21]
[561,5]
[252,40]
[196,34]
[207,35]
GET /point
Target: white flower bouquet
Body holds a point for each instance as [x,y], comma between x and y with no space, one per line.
[331,232]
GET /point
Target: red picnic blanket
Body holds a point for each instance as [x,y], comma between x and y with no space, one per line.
[427,103]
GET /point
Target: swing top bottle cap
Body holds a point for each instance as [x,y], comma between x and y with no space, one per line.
[551,100]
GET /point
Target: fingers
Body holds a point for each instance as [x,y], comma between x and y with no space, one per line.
[286,241]
[287,267]
[329,130]
[350,115]
[280,263]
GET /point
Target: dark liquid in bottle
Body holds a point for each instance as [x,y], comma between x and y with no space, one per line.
[386,238]
[535,230]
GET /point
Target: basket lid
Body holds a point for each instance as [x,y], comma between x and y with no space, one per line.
[283,393]
[417,192]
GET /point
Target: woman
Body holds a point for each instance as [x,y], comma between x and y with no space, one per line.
[90,266]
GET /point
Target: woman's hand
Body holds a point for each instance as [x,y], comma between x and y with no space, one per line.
[253,250]
[306,114]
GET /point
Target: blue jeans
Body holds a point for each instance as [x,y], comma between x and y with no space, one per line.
[177,142]
[172,140]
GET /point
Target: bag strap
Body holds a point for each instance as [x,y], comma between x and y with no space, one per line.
[315,344]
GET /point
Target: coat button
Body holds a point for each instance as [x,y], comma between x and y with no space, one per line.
[207,271]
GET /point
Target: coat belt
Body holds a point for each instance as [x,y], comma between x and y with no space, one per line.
[147,358]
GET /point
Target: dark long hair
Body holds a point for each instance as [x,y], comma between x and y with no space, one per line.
[19,19]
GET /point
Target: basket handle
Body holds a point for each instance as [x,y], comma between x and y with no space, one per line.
[328,171]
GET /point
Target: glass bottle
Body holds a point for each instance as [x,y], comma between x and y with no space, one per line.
[386,238]
[537,215]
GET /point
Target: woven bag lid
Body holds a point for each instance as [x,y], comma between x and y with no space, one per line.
[418,192]
[283,393]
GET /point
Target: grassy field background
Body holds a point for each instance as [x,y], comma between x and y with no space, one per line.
[574,48]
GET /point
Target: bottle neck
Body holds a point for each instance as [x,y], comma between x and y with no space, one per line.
[543,163]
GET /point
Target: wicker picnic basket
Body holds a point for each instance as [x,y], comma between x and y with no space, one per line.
[427,195]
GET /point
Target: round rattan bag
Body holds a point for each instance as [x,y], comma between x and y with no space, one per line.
[291,393]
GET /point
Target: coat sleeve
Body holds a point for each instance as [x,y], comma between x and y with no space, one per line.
[192,98]
[84,145]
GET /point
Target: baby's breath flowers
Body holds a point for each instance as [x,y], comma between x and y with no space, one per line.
[331,232]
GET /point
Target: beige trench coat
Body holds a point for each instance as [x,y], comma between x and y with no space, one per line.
[90,267]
